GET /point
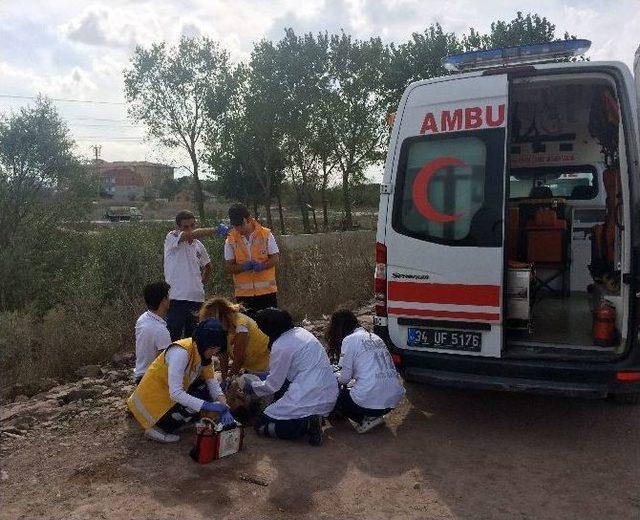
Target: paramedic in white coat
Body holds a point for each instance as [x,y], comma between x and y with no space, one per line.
[369,383]
[300,378]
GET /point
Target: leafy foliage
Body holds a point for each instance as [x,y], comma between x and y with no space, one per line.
[43,184]
[178,93]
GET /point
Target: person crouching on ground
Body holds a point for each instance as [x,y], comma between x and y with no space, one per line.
[247,345]
[180,384]
[365,361]
[300,379]
[152,335]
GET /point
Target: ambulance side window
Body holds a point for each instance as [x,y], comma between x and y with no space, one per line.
[450,188]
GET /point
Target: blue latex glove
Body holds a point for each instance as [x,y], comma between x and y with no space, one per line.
[226,418]
[220,408]
[222,230]
[258,266]
[247,266]
[261,375]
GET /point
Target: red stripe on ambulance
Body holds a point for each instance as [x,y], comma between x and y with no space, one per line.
[457,294]
[469,118]
[432,313]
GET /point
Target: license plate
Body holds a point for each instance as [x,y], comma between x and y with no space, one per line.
[445,339]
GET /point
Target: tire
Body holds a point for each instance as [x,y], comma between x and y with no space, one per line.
[627,399]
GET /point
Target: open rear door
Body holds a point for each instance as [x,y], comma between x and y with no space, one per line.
[444,235]
[636,74]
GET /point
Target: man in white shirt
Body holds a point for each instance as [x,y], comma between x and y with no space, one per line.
[152,334]
[187,268]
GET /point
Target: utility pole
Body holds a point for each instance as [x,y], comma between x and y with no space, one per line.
[96,150]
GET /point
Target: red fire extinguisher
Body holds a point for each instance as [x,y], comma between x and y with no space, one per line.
[604,324]
[204,449]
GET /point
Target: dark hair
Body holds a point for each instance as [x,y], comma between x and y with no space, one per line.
[184,214]
[209,334]
[274,323]
[342,323]
[154,293]
[237,213]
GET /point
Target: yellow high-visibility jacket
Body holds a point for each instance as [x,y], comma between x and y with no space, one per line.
[151,400]
[256,356]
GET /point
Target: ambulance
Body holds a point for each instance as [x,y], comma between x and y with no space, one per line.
[508,238]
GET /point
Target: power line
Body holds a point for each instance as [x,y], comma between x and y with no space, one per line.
[101,138]
[106,126]
[98,119]
[66,100]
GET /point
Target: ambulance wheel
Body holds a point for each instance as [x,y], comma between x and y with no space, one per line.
[626,398]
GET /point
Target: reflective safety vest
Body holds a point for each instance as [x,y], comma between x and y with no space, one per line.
[151,400]
[256,356]
[250,283]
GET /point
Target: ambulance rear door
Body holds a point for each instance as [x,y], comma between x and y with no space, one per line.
[444,233]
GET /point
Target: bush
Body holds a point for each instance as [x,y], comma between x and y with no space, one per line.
[319,273]
[94,293]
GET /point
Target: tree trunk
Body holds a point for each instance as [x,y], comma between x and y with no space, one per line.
[346,199]
[197,190]
[323,198]
[283,230]
[267,202]
[305,214]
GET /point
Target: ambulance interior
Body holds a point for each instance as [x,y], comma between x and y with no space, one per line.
[565,226]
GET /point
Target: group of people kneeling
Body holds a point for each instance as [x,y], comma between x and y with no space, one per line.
[269,357]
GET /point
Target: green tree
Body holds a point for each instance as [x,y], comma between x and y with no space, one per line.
[303,73]
[178,92]
[43,186]
[419,58]
[355,108]
[244,153]
[522,30]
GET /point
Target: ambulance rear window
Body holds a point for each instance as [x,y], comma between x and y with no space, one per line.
[450,188]
[572,182]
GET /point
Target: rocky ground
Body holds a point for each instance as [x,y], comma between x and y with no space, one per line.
[71,451]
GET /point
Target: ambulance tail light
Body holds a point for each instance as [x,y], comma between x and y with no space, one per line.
[534,53]
[380,280]
[628,377]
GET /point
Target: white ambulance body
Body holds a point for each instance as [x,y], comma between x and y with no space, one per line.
[509,214]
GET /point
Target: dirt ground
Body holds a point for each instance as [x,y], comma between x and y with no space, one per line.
[443,454]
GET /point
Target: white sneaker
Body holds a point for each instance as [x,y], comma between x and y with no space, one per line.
[368,423]
[158,435]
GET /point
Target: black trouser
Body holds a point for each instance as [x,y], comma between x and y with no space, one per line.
[353,411]
[182,318]
[287,429]
[178,415]
[253,304]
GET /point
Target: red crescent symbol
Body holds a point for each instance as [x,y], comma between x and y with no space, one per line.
[421,183]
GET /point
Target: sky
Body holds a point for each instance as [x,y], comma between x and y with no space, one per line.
[77,49]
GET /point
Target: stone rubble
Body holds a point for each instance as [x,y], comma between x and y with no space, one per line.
[100,391]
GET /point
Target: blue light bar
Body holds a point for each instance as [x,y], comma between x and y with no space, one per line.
[534,53]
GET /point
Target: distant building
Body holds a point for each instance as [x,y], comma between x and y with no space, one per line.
[122,184]
[152,176]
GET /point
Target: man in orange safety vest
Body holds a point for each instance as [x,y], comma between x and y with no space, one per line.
[251,255]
